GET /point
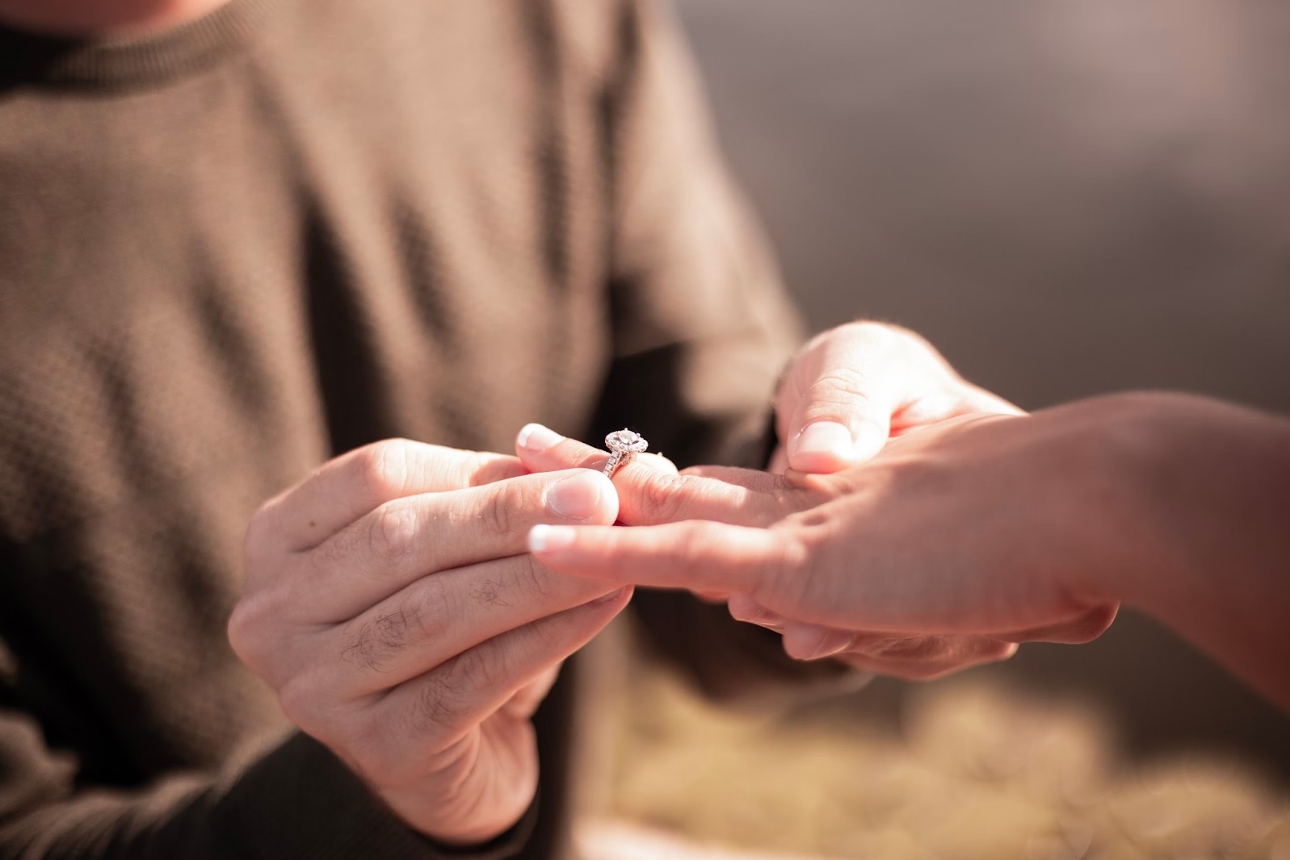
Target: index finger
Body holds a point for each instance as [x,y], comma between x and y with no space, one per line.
[692,555]
[356,483]
[649,495]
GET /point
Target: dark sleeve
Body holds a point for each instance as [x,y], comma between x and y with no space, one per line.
[702,329]
[294,801]
[701,323]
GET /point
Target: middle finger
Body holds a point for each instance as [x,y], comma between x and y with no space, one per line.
[440,616]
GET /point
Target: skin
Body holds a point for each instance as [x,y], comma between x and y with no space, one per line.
[854,387]
[865,383]
[82,18]
[390,603]
[1003,528]
[435,637]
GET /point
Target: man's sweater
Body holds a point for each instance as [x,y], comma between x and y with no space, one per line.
[233,250]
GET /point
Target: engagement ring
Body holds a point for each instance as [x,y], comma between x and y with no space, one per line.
[623,444]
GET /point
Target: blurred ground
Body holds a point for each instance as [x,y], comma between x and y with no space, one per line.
[975,772]
[1068,198]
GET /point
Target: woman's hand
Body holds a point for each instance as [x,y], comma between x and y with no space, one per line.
[947,549]
[855,386]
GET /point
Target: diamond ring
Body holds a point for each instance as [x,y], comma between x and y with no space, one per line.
[623,444]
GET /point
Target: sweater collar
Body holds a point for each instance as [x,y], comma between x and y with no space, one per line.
[27,58]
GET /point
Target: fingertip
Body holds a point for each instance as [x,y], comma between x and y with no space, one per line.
[870,439]
[622,595]
[824,447]
[743,608]
[609,502]
[536,438]
[583,496]
[811,642]
[821,447]
[778,461]
[550,541]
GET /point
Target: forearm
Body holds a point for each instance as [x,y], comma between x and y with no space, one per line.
[296,801]
[1213,487]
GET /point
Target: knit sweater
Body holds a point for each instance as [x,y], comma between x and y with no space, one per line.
[233,250]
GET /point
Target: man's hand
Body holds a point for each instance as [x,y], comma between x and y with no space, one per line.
[391,604]
[855,386]
[944,551]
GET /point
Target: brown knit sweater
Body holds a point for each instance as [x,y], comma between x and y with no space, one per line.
[291,228]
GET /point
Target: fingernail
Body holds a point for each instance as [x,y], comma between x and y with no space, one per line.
[536,438]
[744,608]
[809,642]
[870,439]
[577,497]
[833,642]
[824,438]
[549,539]
[611,596]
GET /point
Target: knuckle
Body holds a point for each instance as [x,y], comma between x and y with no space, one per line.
[386,467]
[430,607]
[421,615]
[497,516]
[376,641]
[840,385]
[663,495]
[242,633]
[479,668]
[300,700]
[392,531]
[532,576]
[437,706]
[258,540]
[252,629]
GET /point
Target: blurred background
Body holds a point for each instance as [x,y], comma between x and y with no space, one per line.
[1067,198]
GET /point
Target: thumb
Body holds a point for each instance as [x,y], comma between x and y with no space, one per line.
[840,421]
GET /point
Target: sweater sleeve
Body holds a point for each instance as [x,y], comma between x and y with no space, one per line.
[701,323]
[702,330]
[295,801]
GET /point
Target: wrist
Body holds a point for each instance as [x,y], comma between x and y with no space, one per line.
[1202,487]
[1120,452]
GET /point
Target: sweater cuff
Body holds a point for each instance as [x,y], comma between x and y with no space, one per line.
[300,801]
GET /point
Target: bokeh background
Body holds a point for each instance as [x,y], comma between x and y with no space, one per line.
[1068,197]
